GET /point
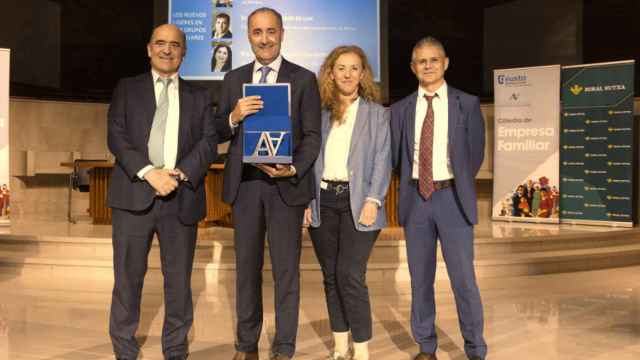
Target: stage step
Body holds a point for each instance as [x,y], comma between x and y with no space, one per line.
[500,251]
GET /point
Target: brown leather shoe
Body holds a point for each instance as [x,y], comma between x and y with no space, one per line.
[425,356]
[245,356]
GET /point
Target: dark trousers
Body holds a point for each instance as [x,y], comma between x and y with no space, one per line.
[440,217]
[343,253]
[132,236]
[259,209]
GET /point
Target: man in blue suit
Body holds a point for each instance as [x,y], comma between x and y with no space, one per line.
[437,136]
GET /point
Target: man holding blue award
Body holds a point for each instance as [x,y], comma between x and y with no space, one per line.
[268,197]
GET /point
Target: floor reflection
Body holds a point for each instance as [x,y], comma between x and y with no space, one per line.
[593,315]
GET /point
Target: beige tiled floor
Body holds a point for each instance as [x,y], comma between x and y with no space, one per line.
[51,312]
[587,315]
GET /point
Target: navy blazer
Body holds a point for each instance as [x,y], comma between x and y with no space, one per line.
[297,190]
[369,162]
[466,148]
[129,123]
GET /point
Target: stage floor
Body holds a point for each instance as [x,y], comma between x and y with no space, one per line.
[586,315]
[594,314]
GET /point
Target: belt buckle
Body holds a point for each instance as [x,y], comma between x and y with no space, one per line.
[340,188]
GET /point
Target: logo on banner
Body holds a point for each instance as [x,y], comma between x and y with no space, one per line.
[510,80]
[269,143]
[576,89]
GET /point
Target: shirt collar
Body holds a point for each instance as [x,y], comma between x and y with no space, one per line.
[274,65]
[174,78]
[442,92]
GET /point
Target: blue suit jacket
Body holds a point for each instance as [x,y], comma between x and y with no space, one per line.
[129,123]
[369,162]
[466,148]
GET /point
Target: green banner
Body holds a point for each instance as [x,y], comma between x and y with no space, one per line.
[596,144]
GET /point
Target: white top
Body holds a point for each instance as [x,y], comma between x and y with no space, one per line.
[441,161]
[336,152]
[173,122]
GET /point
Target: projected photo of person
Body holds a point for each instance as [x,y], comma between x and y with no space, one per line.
[223,3]
[221,26]
[221,58]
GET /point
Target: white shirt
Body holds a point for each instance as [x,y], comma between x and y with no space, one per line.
[173,122]
[336,152]
[272,76]
[441,162]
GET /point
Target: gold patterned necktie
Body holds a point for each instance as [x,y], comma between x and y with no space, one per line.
[425,175]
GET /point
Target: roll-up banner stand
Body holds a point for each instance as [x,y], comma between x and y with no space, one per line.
[597,144]
[527,140]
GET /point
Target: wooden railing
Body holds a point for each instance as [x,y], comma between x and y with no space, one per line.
[218,212]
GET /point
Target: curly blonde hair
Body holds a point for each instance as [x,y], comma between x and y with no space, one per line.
[329,95]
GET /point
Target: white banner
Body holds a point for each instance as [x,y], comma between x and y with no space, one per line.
[4,136]
[527,144]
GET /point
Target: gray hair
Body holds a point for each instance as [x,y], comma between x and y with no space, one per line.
[427,41]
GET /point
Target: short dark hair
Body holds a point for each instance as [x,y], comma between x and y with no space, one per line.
[225,16]
[265,9]
[428,41]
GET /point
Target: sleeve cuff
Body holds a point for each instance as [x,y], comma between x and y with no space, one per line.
[231,124]
[375,201]
[144,171]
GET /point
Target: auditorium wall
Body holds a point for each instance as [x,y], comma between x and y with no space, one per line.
[42,135]
[45,133]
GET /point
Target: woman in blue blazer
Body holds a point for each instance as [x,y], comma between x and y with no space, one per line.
[352,175]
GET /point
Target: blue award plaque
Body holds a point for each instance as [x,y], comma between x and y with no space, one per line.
[267,133]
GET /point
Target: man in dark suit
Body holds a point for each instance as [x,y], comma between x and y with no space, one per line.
[268,198]
[438,147]
[162,133]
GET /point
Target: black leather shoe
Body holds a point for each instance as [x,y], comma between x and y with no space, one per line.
[245,356]
[179,357]
[475,358]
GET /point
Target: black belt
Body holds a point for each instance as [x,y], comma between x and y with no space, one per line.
[439,185]
[336,186]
